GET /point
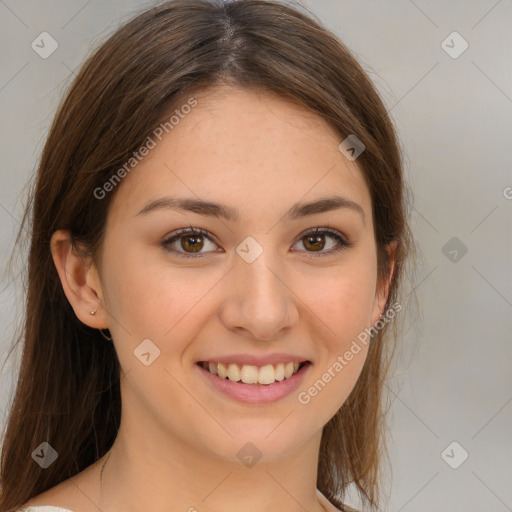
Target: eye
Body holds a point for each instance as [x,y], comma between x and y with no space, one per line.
[187,239]
[190,241]
[314,241]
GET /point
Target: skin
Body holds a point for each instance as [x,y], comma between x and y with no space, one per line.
[177,444]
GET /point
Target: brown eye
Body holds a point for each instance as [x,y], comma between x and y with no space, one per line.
[188,243]
[192,243]
[315,242]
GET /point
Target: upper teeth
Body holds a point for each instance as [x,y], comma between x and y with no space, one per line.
[250,374]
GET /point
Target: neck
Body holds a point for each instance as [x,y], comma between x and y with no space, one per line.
[161,476]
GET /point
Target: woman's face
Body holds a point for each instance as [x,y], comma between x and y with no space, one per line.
[259,284]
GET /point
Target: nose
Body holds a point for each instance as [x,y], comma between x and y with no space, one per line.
[259,302]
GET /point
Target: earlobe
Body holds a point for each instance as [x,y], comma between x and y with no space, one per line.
[79,280]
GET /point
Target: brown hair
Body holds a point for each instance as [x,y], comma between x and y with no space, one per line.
[68,389]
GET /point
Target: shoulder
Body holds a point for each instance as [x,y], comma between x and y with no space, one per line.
[66,496]
[42,502]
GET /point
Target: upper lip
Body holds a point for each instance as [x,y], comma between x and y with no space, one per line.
[254,360]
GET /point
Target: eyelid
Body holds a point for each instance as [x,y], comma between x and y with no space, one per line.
[342,239]
[184,231]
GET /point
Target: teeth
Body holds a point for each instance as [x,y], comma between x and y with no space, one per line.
[267,374]
[250,374]
[233,372]
[222,370]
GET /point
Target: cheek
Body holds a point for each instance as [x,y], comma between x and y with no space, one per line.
[343,299]
[343,304]
[152,299]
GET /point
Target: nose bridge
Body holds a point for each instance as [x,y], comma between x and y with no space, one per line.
[258,268]
[260,300]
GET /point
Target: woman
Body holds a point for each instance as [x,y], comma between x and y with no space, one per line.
[218,236]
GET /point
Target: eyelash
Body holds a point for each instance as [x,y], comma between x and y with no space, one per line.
[343,243]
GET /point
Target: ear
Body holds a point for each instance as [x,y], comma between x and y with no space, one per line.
[381,295]
[79,279]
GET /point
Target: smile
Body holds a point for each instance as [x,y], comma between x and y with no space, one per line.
[264,386]
[251,374]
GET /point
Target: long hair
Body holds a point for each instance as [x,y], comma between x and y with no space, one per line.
[68,387]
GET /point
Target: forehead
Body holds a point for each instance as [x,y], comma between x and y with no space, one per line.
[247,148]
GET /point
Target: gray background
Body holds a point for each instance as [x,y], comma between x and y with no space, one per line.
[453,116]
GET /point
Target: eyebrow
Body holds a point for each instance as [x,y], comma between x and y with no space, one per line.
[212,209]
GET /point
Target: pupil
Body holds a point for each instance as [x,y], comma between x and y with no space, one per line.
[196,244]
[316,239]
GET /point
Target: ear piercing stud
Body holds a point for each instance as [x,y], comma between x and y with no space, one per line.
[109,338]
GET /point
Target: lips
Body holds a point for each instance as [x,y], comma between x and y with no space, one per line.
[255,393]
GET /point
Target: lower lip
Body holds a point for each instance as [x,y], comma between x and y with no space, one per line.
[256,393]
